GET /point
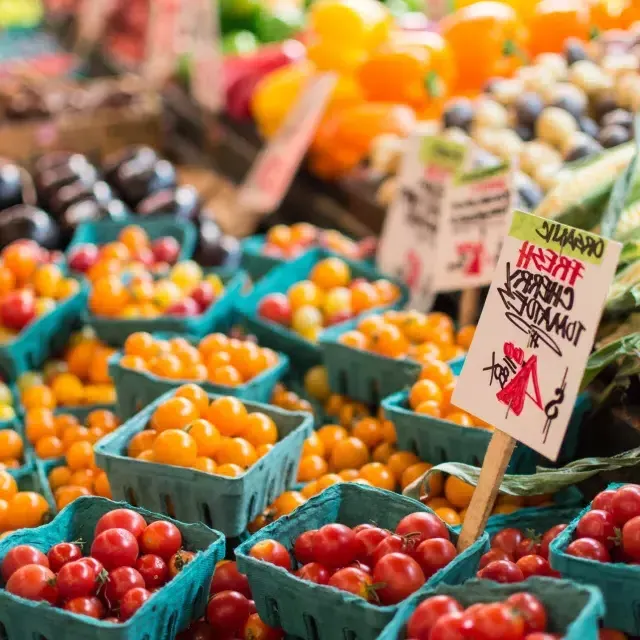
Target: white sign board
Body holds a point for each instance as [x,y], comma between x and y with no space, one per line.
[523,371]
[277,164]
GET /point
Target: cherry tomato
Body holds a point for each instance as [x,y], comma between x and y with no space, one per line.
[275,307]
[77,580]
[598,525]
[352,580]
[62,553]
[21,556]
[503,571]
[589,549]
[625,504]
[498,620]
[314,572]
[161,538]
[256,629]
[631,538]
[228,611]
[368,539]
[527,547]
[422,526]
[533,565]
[120,580]
[115,548]
[95,564]
[491,556]
[434,554]
[549,537]
[303,548]
[34,582]
[452,626]
[199,630]
[428,612]
[121,519]
[335,545]
[153,569]
[227,578]
[91,607]
[531,609]
[392,544]
[399,576]
[362,527]
[603,501]
[132,601]
[507,540]
[178,561]
[273,552]
[541,636]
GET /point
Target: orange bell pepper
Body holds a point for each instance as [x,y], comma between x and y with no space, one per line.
[345,135]
[488,40]
[554,21]
[413,68]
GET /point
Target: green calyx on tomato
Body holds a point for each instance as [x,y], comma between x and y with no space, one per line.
[510,48]
[434,85]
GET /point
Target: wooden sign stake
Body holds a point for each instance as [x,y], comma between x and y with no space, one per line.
[468,307]
[493,469]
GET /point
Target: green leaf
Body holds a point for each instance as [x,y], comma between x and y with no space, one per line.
[626,346]
[621,189]
[630,251]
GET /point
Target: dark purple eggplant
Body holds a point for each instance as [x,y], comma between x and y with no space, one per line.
[55,159]
[183,202]
[113,162]
[68,195]
[215,249]
[52,180]
[135,180]
[90,210]
[11,187]
[25,221]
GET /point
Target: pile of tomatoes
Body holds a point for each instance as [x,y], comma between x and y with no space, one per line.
[19,509]
[515,556]
[128,561]
[379,565]
[217,358]
[330,295]
[610,530]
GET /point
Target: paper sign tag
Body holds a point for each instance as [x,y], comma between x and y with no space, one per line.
[275,167]
[92,19]
[523,371]
[162,35]
[409,240]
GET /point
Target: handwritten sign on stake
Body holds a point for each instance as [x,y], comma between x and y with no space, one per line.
[523,371]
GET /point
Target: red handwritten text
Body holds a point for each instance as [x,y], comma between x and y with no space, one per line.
[513,394]
[513,352]
[548,261]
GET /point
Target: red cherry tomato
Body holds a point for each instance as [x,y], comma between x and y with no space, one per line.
[527,547]
[368,539]
[491,556]
[531,609]
[399,575]
[228,611]
[94,564]
[227,578]
[452,626]
[34,582]
[179,561]
[498,620]
[119,582]
[91,607]
[314,572]
[77,580]
[631,538]
[352,580]
[121,519]
[428,612]
[507,540]
[275,307]
[161,538]
[422,526]
[256,629]
[132,601]
[434,554]
[115,548]
[533,565]
[362,527]
[503,571]
[542,636]
[589,549]
[598,525]
[334,546]
[549,537]
[625,504]
[199,630]
[153,569]
[303,548]
[62,553]
[273,552]
[603,501]
[21,556]
[391,544]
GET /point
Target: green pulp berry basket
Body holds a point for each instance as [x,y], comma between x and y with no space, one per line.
[136,389]
[536,519]
[573,610]
[618,582]
[43,337]
[218,317]
[104,231]
[228,504]
[319,612]
[169,610]
[302,352]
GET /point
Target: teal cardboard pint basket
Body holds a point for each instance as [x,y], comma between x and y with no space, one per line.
[574,611]
[228,504]
[169,610]
[318,612]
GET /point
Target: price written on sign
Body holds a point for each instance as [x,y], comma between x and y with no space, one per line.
[275,167]
[523,371]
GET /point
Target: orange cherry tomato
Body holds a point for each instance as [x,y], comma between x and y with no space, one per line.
[553,21]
